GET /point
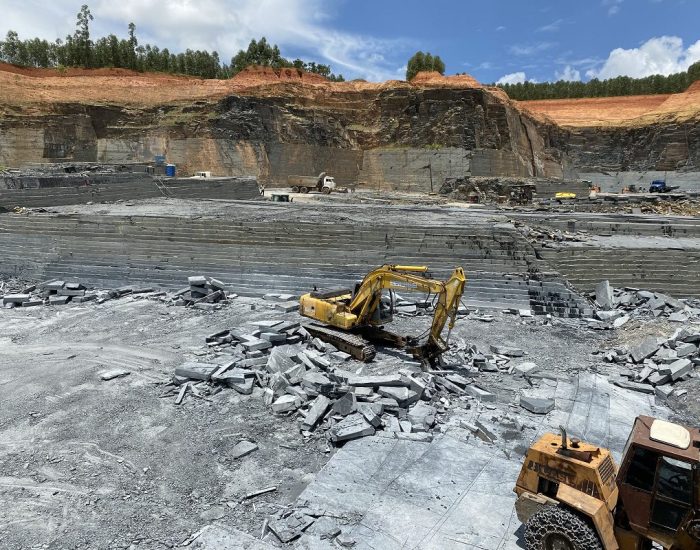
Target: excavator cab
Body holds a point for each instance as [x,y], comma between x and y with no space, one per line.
[572,497]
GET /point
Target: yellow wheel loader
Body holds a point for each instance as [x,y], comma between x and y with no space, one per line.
[571,496]
[352,319]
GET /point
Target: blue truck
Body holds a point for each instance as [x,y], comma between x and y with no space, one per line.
[659,186]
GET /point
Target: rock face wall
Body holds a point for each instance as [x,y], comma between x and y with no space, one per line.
[376,137]
[660,147]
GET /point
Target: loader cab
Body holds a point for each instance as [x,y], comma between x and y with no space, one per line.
[658,480]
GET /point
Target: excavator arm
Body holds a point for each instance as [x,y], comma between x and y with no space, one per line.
[360,311]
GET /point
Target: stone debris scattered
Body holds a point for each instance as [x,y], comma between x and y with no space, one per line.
[655,364]
[620,305]
[331,395]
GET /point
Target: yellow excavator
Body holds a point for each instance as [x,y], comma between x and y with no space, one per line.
[571,496]
[352,320]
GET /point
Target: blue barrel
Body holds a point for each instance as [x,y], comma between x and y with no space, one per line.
[170,170]
[159,160]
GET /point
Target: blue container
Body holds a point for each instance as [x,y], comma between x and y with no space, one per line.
[159,160]
[170,170]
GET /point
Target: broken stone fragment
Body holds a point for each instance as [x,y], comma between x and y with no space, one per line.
[287,307]
[422,416]
[678,369]
[646,348]
[351,427]
[480,393]
[243,448]
[317,411]
[537,405]
[286,403]
[371,412]
[115,373]
[345,405]
[197,371]
[685,349]
[524,369]
[507,351]
[403,396]
[316,382]
[374,381]
[604,295]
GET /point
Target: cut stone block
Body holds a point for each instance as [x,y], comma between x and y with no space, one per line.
[395,380]
[524,369]
[317,411]
[371,412]
[243,448]
[245,387]
[255,344]
[279,361]
[604,295]
[287,307]
[663,392]
[658,377]
[197,280]
[680,368]
[59,300]
[480,393]
[295,374]
[403,396]
[536,405]
[274,337]
[686,349]
[507,351]
[286,403]
[351,427]
[608,315]
[32,303]
[16,298]
[70,292]
[646,348]
[196,371]
[317,382]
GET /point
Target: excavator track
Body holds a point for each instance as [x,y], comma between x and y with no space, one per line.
[350,343]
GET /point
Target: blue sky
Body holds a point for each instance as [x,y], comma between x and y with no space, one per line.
[507,40]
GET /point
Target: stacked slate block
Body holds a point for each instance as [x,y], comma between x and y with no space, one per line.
[203,292]
[55,293]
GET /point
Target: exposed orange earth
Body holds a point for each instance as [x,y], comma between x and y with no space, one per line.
[620,111]
[33,90]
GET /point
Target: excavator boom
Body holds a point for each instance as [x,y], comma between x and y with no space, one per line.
[361,311]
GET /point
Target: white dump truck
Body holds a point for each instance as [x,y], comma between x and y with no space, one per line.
[303,184]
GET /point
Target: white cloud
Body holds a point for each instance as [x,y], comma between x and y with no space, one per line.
[500,28]
[302,28]
[551,27]
[512,78]
[530,49]
[660,55]
[612,5]
[569,74]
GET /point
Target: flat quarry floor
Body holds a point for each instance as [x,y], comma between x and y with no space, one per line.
[88,463]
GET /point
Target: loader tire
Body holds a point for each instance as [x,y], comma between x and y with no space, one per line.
[303,189]
[556,528]
[326,190]
[295,189]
